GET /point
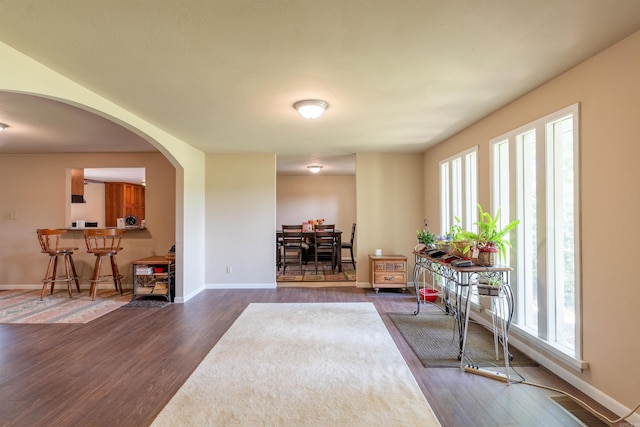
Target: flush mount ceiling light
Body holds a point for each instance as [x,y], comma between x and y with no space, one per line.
[314,168]
[311,108]
[3,127]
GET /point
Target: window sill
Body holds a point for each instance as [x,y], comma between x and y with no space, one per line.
[531,344]
[547,348]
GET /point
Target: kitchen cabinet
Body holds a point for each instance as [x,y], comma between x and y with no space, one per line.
[122,200]
[388,271]
[77,185]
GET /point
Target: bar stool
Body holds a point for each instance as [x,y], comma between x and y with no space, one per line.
[104,243]
[50,244]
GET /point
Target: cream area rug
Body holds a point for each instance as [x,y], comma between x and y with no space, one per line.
[317,364]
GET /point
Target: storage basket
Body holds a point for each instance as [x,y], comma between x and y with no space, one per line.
[487,259]
[488,290]
[457,248]
[444,247]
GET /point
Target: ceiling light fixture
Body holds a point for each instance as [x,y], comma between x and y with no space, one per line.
[3,127]
[311,108]
[314,168]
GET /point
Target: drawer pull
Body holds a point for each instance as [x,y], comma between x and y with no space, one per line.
[389,277]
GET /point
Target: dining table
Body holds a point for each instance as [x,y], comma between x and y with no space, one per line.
[309,234]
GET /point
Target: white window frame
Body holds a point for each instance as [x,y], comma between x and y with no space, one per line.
[459,189]
[512,187]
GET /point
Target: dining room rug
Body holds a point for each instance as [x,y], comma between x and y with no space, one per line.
[431,336]
[302,364]
[308,273]
[24,306]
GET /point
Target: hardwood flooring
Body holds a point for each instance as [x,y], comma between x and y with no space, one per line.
[122,368]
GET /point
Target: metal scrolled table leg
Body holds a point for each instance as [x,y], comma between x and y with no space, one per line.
[416,284]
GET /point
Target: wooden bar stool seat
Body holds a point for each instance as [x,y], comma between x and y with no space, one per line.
[50,245]
[104,243]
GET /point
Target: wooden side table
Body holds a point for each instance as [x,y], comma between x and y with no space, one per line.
[388,271]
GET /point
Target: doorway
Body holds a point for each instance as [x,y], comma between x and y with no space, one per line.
[328,198]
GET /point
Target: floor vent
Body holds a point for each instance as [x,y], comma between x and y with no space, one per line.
[578,412]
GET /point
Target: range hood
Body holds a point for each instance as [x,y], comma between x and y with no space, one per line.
[77,185]
[77,198]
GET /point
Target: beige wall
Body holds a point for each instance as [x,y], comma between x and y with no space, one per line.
[34,194]
[607,87]
[240,218]
[390,197]
[330,197]
[93,209]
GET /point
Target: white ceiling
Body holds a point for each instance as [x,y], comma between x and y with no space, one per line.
[222,75]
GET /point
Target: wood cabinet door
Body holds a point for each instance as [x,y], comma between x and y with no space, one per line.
[123,199]
[133,194]
[77,181]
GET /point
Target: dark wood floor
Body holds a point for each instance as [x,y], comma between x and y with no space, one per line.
[122,368]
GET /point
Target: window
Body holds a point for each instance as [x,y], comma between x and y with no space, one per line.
[535,179]
[459,190]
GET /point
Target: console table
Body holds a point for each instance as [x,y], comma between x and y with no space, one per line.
[457,284]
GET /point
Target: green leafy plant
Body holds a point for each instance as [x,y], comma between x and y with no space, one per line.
[426,237]
[489,285]
[456,232]
[490,237]
[461,240]
[490,279]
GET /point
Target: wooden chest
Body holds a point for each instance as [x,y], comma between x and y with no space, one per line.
[387,271]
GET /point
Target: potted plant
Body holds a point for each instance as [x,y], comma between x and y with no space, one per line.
[443,242]
[489,286]
[492,241]
[427,238]
[461,241]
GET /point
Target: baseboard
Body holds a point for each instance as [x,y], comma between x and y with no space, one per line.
[311,284]
[21,287]
[240,286]
[367,285]
[83,286]
[568,376]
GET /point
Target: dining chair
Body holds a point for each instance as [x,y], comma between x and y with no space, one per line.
[325,243]
[293,246]
[50,244]
[349,244]
[278,253]
[104,243]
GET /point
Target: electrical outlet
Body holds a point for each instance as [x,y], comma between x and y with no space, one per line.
[228,270]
